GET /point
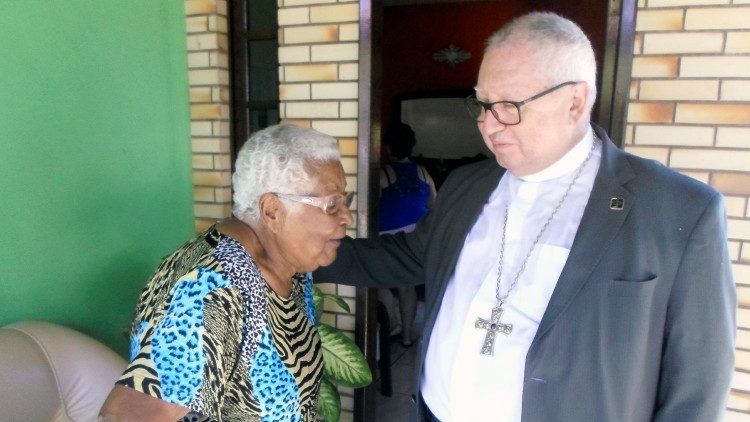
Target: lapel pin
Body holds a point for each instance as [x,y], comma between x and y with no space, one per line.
[616,204]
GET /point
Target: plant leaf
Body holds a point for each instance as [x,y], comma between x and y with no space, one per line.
[343,362]
[317,302]
[339,301]
[329,402]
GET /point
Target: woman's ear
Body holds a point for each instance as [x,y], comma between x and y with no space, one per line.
[272,212]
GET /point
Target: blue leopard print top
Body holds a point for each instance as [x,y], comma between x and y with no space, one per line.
[211,335]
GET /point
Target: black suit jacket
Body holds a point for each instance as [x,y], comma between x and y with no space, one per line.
[641,323]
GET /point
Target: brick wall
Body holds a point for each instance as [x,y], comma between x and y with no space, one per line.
[318,87]
[690,109]
[208,64]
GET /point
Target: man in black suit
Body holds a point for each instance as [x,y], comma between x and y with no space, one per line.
[571,282]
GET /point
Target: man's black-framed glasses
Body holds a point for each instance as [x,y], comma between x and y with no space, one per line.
[506,112]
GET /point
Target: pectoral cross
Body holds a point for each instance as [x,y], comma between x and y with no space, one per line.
[492,326]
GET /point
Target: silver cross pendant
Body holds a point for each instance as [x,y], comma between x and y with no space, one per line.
[492,326]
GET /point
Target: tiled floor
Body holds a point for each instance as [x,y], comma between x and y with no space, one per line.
[396,408]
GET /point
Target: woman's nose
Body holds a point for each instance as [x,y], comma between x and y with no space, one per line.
[347,218]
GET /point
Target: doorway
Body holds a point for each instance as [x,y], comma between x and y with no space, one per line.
[431,49]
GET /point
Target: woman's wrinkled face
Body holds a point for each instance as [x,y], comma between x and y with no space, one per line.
[309,237]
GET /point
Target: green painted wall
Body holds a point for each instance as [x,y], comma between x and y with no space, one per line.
[95,180]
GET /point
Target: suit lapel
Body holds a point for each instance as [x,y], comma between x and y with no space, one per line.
[598,228]
[465,216]
[462,218]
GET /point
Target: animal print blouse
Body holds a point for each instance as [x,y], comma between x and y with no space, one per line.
[211,335]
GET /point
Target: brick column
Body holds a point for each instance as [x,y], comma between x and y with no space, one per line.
[208,64]
[318,87]
[690,109]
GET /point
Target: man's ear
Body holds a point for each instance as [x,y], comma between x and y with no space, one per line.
[272,212]
[579,102]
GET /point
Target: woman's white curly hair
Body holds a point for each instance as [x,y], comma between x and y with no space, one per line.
[280,158]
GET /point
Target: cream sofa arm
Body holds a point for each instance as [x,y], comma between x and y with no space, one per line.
[52,373]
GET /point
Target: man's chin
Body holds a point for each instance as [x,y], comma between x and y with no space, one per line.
[503,161]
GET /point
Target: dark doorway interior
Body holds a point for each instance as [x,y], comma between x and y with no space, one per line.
[430,58]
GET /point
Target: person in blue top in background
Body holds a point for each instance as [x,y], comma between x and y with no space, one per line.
[406,193]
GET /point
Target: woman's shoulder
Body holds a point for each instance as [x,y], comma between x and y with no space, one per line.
[210,257]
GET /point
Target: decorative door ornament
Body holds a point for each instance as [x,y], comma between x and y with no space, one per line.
[451,55]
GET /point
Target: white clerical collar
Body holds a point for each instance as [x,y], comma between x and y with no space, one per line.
[567,163]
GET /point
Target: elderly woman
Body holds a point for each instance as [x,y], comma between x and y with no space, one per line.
[224,330]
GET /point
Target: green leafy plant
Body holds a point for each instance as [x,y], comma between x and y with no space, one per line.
[344,364]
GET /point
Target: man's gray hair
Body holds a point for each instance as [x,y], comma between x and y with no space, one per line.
[280,158]
[563,51]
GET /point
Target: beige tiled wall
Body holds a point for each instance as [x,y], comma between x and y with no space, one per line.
[318,87]
[208,65]
[689,109]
